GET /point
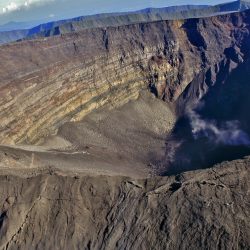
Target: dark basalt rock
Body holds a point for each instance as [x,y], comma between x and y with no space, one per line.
[209,209]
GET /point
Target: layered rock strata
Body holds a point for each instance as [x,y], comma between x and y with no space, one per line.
[47,82]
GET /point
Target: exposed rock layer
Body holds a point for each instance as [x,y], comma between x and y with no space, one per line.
[46,83]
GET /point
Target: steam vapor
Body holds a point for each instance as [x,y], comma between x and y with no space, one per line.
[228,133]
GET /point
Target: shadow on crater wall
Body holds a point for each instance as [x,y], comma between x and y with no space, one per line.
[225,101]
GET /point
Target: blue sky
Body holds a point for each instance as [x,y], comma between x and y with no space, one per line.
[28,10]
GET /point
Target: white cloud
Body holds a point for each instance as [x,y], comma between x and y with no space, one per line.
[21,4]
[10,7]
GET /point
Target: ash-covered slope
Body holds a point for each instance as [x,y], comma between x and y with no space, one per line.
[207,209]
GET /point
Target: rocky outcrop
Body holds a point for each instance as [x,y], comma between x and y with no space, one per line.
[47,82]
[206,209]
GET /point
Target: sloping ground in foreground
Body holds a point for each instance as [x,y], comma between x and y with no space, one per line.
[207,209]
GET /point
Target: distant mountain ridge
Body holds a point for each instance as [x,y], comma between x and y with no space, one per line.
[11,26]
[122,18]
[107,19]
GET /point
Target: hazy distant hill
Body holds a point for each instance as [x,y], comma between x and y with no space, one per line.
[9,36]
[117,19]
[20,25]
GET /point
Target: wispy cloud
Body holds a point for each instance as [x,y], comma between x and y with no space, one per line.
[20,5]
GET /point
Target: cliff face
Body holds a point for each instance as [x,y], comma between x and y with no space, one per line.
[47,82]
[206,209]
[65,78]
